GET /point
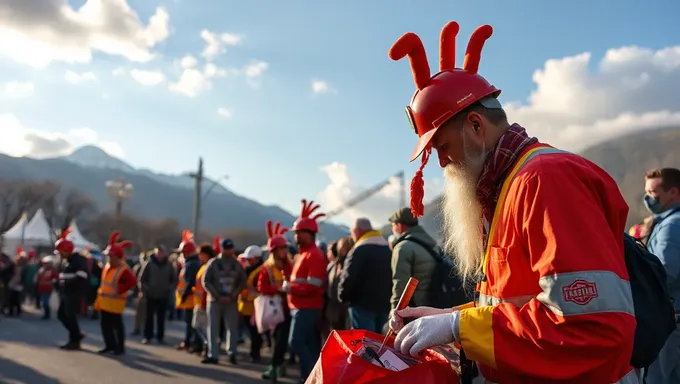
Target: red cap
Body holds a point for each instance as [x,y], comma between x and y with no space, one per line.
[63,245]
[440,97]
[115,248]
[307,222]
[275,235]
[216,245]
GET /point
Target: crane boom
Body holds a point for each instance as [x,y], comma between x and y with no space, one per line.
[366,194]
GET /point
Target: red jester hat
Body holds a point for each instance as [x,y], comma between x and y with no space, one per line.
[275,235]
[115,248]
[440,97]
[307,222]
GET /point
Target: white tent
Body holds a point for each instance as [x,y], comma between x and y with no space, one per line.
[12,238]
[17,231]
[38,233]
[79,241]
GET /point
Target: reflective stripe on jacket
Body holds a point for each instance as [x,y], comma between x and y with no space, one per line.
[108,298]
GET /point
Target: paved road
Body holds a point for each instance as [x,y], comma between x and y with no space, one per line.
[29,354]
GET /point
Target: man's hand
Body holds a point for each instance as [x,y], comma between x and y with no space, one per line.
[225,300]
[285,287]
[428,331]
[397,317]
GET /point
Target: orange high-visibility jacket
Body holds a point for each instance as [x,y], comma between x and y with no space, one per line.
[181,285]
[109,298]
[556,303]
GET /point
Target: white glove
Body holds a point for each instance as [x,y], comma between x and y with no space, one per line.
[428,331]
[397,317]
[285,287]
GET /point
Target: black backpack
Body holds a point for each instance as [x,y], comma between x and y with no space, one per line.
[446,289]
[654,310]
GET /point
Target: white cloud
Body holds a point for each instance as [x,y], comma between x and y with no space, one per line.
[379,207]
[79,78]
[188,61]
[21,141]
[320,87]
[194,81]
[255,69]
[147,78]
[18,89]
[224,112]
[632,89]
[215,44]
[36,33]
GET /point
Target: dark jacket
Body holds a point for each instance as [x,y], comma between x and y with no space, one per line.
[410,259]
[191,267]
[157,278]
[74,276]
[366,280]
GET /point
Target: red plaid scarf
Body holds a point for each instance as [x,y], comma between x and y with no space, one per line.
[497,164]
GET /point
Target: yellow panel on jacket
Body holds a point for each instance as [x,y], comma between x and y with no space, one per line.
[246,300]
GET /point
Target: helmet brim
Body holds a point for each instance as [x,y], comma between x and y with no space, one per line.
[423,142]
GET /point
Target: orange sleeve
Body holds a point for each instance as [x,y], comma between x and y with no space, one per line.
[582,322]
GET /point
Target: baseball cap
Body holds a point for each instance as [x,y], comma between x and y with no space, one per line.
[252,252]
[227,244]
[404,216]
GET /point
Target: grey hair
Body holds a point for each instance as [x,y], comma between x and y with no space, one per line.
[363,224]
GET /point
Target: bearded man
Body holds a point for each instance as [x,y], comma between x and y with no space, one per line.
[538,228]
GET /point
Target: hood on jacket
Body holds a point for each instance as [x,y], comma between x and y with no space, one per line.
[419,233]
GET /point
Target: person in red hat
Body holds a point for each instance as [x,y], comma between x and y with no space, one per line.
[305,289]
[555,300]
[73,283]
[272,275]
[116,281]
[184,295]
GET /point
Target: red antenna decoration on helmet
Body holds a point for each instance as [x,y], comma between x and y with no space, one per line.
[217,247]
[64,233]
[275,230]
[113,240]
[20,250]
[187,236]
[309,208]
[411,45]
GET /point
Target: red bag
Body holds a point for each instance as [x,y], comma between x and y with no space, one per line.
[339,364]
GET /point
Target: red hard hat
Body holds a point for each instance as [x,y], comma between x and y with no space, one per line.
[115,248]
[275,235]
[440,97]
[64,245]
[307,222]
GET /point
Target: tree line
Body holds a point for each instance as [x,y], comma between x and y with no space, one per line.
[61,205]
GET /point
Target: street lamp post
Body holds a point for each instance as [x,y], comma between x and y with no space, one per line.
[119,191]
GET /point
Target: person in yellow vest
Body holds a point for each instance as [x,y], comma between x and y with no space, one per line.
[116,280]
[200,319]
[246,300]
[184,296]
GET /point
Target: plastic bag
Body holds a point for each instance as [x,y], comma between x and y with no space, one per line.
[339,363]
[268,313]
[200,318]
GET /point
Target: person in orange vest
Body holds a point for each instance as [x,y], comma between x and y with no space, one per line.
[116,280]
[44,284]
[306,289]
[200,318]
[274,271]
[540,229]
[184,296]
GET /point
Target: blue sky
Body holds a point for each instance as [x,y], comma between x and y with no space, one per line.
[281,133]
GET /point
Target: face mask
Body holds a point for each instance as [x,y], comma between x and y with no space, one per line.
[652,204]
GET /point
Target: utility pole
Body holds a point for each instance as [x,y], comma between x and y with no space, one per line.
[198,195]
[402,190]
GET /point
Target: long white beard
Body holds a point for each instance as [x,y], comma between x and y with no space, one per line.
[462,215]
